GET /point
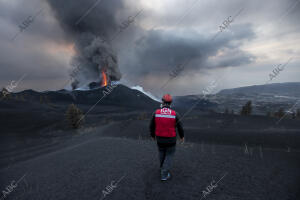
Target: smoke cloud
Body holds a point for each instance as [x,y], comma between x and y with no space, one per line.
[90,35]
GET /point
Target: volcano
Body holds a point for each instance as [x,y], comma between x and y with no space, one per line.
[120,95]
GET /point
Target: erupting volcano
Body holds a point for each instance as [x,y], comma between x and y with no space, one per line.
[100,65]
[104,78]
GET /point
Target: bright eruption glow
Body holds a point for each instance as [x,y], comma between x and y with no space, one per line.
[104,79]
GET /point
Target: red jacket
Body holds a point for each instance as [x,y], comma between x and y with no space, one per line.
[163,127]
[165,121]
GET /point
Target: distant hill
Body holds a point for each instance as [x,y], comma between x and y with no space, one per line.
[283,89]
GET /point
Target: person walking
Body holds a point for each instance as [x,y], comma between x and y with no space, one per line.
[163,129]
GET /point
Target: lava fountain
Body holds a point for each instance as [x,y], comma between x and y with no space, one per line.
[104,78]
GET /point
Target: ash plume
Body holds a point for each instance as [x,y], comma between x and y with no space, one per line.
[90,36]
[94,57]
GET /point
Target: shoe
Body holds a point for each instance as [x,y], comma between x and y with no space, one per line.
[165,177]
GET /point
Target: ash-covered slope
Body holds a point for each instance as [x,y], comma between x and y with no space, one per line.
[84,167]
[30,111]
[119,95]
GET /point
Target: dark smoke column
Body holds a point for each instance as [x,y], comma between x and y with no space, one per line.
[93,56]
[96,58]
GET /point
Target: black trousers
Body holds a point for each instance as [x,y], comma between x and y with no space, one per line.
[166,155]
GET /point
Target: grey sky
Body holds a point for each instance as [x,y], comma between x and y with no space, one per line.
[265,34]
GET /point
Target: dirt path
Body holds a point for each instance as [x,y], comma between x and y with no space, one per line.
[90,169]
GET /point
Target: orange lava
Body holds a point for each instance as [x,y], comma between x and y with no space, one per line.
[104,79]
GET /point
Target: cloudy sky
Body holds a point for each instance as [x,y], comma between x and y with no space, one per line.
[165,34]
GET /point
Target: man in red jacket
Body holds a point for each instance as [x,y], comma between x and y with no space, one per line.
[163,128]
